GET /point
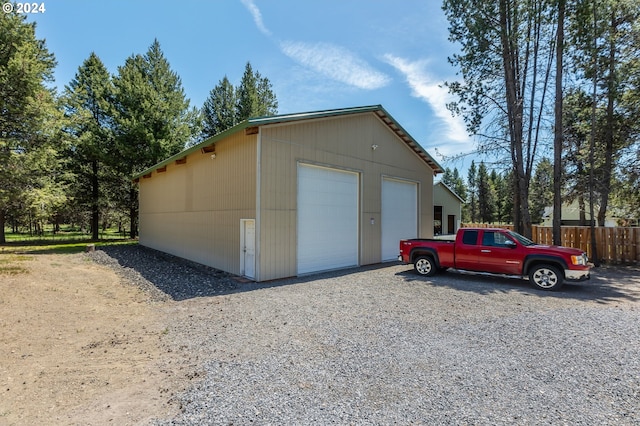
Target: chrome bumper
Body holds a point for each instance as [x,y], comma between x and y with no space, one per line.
[571,274]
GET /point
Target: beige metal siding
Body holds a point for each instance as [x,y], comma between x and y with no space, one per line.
[340,142]
[193,210]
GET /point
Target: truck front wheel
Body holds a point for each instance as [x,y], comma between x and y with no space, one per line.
[546,277]
[424,265]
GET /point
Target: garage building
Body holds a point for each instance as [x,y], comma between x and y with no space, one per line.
[292,194]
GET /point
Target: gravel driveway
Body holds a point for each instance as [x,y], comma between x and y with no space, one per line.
[381,345]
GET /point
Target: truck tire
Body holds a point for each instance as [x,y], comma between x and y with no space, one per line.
[546,277]
[424,265]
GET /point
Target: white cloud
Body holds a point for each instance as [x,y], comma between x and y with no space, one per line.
[427,88]
[335,62]
[330,60]
[257,16]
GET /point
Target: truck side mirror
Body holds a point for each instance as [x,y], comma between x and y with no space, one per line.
[510,244]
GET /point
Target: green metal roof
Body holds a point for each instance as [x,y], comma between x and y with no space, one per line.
[285,118]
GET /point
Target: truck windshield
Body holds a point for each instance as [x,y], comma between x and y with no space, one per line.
[522,240]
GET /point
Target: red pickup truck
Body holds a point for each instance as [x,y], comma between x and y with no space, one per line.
[497,251]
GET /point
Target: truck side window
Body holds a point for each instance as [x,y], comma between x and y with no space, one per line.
[487,239]
[496,239]
[470,238]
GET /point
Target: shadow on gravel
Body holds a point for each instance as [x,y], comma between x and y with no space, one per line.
[607,284]
[181,279]
[155,271]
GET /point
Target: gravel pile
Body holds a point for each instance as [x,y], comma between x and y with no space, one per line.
[385,346]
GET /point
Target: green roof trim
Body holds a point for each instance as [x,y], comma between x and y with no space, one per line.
[284,118]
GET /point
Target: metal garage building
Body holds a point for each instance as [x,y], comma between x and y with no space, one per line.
[292,194]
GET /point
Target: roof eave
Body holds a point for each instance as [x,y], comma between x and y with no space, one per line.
[184,153]
[408,139]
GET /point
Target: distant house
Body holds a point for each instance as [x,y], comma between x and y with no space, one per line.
[447,210]
[571,216]
[292,194]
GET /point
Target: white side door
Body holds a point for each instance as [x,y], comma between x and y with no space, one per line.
[248,247]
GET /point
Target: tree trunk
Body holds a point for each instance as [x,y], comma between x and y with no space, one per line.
[608,133]
[133,212]
[557,139]
[592,146]
[95,200]
[3,238]
[515,119]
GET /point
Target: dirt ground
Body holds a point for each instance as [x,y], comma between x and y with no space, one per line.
[79,347]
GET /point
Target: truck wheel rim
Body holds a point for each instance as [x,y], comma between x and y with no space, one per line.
[423,266]
[545,278]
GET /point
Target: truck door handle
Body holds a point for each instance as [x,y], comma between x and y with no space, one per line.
[485,251]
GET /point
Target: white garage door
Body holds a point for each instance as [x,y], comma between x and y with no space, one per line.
[399,215]
[327,219]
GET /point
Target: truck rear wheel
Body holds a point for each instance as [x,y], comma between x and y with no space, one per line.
[546,277]
[424,265]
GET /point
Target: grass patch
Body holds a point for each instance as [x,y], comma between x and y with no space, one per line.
[68,240]
[66,234]
[12,270]
[8,267]
[58,247]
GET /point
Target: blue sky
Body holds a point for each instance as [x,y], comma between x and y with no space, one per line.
[317,54]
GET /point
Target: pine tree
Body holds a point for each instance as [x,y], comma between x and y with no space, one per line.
[503,196]
[453,180]
[153,120]
[219,110]
[88,103]
[472,198]
[227,106]
[29,163]
[486,195]
[541,189]
[255,97]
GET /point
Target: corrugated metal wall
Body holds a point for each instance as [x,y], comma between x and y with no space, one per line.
[193,210]
[340,142]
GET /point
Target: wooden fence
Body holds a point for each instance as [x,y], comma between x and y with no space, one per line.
[614,245]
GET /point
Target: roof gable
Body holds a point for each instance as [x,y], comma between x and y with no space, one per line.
[252,125]
[451,191]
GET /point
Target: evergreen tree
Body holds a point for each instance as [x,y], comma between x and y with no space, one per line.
[29,164]
[503,188]
[153,120]
[255,97]
[606,41]
[447,177]
[486,195]
[453,180]
[472,198]
[227,106]
[219,110]
[506,56]
[541,189]
[88,103]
